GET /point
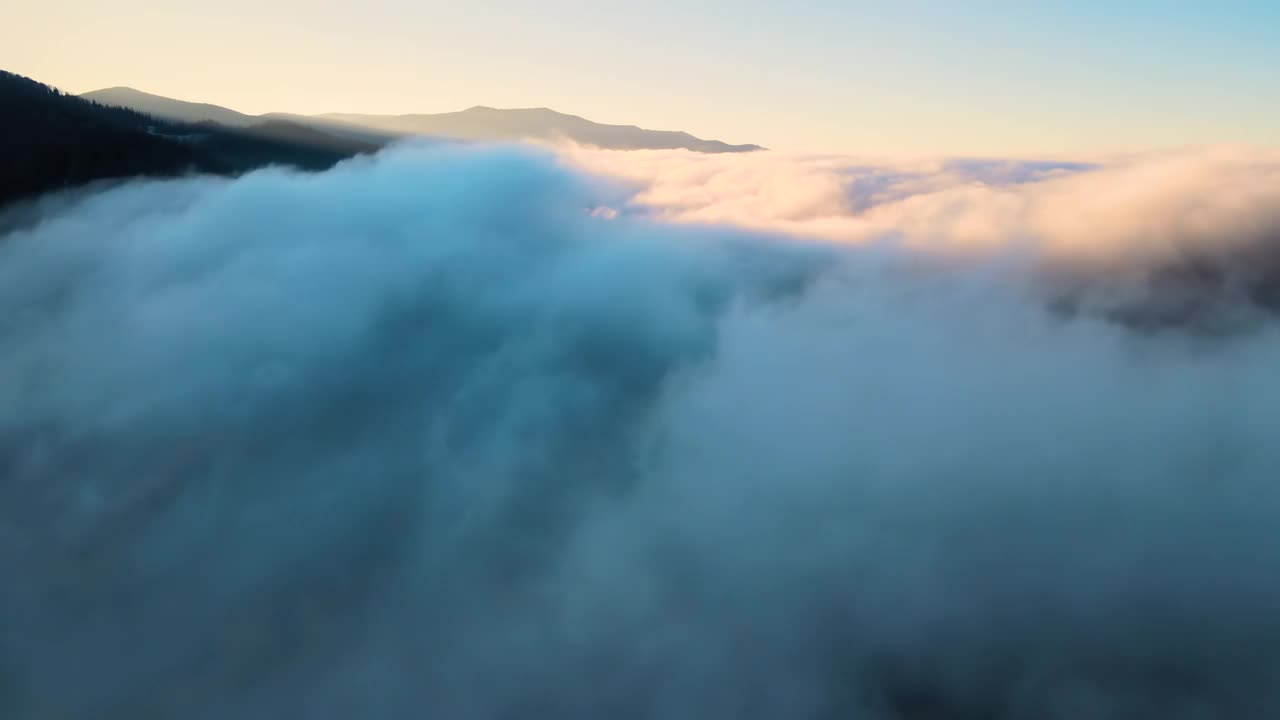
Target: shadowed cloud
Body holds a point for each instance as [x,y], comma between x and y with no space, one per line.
[422,435]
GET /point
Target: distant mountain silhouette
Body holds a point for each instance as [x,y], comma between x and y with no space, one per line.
[168,108]
[477,123]
[486,123]
[51,141]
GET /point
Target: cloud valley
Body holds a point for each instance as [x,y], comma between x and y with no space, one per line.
[775,437]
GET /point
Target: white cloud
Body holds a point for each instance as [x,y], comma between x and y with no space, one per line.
[420,435]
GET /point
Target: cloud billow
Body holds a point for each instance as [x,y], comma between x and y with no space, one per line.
[424,435]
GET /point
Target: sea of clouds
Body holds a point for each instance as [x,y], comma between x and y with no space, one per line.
[505,432]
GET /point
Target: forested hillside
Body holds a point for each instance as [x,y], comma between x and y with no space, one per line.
[50,140]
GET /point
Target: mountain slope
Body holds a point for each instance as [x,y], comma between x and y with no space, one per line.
[477,123]
[333,128]
[51,141]
[168,108]
[306,136]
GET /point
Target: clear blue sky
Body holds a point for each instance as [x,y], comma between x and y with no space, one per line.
[838,75]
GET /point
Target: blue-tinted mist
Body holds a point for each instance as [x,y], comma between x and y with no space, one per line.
[422,437]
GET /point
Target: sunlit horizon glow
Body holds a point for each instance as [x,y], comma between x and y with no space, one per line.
[857,77]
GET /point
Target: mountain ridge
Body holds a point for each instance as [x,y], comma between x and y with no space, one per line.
[168,108]
[476,123]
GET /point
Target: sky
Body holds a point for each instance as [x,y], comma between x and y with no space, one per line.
[910,76]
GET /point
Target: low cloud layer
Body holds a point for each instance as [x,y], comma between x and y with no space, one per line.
[1141,205]
[424,435]
[1181,237]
